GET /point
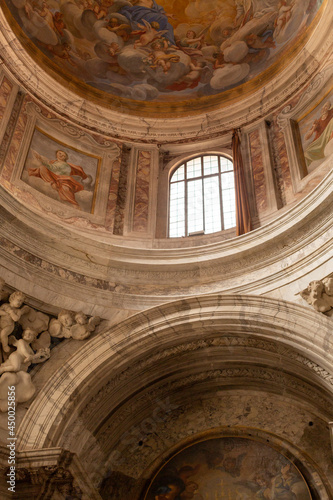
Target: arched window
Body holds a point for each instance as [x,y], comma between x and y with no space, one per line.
[202,196]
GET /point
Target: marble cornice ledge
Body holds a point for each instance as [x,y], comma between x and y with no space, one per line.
[145,129]
[44,259]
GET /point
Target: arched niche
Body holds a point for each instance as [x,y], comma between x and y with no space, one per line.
[235,462]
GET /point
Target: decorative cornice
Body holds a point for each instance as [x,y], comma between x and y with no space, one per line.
[250,263]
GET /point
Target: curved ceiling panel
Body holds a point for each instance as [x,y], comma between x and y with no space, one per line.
[167,57]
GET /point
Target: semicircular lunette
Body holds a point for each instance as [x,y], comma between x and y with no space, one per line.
[228,467]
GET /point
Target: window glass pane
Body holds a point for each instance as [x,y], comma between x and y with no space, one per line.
[177,210]
[211,165]
[178,175]
[226,164]
[212,205]
[193,168]
[194,206]
[228,199]
[228,180]
[228,202]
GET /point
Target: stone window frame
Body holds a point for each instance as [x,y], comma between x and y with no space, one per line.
[178,165]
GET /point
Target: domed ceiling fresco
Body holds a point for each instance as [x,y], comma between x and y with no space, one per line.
[180,55]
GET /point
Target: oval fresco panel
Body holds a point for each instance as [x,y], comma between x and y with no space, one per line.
[228,469]
[171,53]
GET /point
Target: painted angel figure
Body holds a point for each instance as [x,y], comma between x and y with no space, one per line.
[284,15]
[159,56]
[322,130]
[59,173]
[148,33]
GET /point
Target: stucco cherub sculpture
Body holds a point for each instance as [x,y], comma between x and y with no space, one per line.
[83,326]
[60,327]
[319,294]
[328,291]
[35,320]
[75,326]
[13,370]
[24,388]
[9,314]
[22,358]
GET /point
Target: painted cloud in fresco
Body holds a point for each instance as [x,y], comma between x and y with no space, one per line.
[146,50]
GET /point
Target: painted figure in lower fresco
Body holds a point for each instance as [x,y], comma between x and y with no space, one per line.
[322,129]
[59,173]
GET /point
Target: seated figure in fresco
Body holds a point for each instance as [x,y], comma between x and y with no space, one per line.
[322,128]
[148,10]
[59,174]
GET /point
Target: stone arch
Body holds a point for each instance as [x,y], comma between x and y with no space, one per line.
[146,375]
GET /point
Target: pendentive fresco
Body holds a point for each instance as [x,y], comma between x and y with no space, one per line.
[316,129]
[61,172]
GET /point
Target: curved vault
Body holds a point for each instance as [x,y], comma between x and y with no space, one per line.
[185,368]
[103,56]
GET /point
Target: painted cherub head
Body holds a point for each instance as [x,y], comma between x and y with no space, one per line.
[191,34]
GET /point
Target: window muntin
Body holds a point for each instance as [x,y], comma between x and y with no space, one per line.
[202,196]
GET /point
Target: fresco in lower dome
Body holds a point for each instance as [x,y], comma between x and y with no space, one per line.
[163,50]
[229,468]
[316,129]
[61,172]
